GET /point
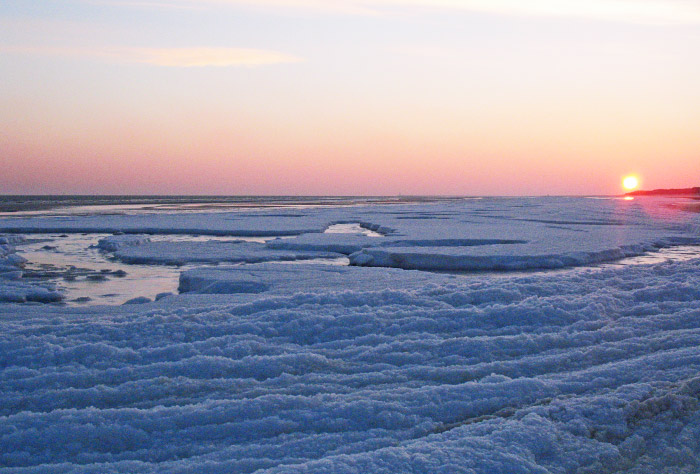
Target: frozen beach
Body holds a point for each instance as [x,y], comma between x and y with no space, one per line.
[494,335]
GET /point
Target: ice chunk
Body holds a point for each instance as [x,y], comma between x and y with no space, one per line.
[10,273]
[219,282]
[116,242]
[138,300]
[12,239]
[178,253]
[323,242]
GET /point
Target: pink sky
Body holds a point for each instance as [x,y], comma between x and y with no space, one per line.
[349,97]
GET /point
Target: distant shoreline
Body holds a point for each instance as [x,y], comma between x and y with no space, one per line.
[689,192]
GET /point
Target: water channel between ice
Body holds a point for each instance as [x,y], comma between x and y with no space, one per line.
[87,275]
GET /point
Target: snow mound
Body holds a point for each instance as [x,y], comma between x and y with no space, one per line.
[117,242]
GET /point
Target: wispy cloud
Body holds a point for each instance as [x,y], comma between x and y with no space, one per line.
[200,57]
[328,6]
[171,57]
[631,11]
[166,4]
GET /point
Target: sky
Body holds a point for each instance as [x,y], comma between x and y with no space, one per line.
[348,97]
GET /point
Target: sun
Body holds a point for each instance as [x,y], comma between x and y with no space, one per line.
[630,182]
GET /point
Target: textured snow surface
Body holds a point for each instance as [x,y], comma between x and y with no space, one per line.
[272,368]
[486,234]
[363,370]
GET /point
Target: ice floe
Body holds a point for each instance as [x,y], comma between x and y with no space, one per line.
[13,288]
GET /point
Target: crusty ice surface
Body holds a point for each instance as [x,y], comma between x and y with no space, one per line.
[271,368]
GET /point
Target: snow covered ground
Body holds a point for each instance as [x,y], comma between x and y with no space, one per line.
[483,234]
[273,368]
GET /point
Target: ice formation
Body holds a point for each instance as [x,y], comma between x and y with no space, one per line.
[270,368]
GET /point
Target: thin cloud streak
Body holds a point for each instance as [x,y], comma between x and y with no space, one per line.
[655,12]
[351,7]
[147,4]
[652,12]
[168,57]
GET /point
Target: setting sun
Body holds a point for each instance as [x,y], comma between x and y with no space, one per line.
[630,182]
